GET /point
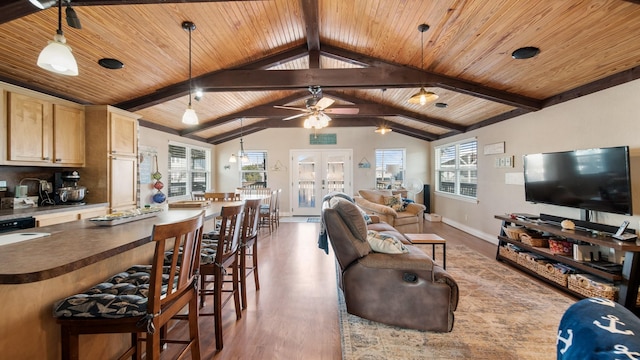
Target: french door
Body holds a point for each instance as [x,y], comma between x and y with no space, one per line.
[315,173]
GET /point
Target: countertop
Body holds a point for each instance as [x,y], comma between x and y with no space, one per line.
[73,245]
[8,214]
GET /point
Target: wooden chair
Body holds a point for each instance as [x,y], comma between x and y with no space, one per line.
[219,257]
[249,246]
[221,196]
[134,310]
[266,211]
[276,210]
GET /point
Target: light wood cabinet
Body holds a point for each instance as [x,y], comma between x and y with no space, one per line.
[43,132]
[112,157]
[67,216]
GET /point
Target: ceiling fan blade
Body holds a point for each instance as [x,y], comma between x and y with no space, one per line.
[289,108]
[324,103]
[294,117]
[343,111]
[72,18]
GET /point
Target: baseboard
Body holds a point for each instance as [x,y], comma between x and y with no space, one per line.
[491,238]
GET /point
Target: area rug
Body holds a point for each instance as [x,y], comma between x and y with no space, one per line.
[502,314]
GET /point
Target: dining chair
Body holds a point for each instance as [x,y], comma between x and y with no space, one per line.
[143,299]
[219,259]
[197,195]
[221,196]
[266,211]
[249,247]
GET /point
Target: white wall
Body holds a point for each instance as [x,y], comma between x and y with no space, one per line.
[607,118]
[278,142]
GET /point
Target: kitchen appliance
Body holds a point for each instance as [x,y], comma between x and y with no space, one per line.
[17,224]
[67,191]
[19,203]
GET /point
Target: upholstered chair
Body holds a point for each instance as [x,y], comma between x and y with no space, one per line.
[407,218]
[398,284]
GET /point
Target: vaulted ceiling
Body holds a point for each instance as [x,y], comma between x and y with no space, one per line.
[248,56]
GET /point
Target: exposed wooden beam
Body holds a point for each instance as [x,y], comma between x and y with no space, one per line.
[14,9]
[254,112]
[312,23]
[368,109]
[335,123]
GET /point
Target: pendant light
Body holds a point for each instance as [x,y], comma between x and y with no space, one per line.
[190,117]
[243,156]
[383,129]
[422,97]
[57,57]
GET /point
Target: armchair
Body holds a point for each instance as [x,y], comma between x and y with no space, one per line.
[404,289]
[408,221]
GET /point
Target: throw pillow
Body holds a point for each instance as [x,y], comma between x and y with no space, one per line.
[395,202]
[351,215]
[383,243]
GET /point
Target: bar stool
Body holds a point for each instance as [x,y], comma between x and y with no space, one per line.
[142,299]
[219,256]
[249,246]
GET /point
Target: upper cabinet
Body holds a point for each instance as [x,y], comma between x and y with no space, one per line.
[42,131]
[124,134]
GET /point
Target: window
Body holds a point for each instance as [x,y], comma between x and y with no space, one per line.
[253,173]
[188,169]
[389,168]
[457,168]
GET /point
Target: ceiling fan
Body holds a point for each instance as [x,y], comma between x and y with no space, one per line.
[318,106]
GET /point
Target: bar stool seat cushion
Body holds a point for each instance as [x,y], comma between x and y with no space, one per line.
[122,295]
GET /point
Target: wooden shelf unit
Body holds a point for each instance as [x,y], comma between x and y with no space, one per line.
[628,280]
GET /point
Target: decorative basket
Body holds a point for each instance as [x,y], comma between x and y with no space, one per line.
[590,288]
[526,260]
[548,271]
[561,247]
[508,253]
[513,232]
[532,241]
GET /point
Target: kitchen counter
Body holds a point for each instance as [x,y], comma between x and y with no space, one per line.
[36,273]
[8,214]
[73,245]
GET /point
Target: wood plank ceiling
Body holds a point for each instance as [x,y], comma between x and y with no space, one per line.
[251,55]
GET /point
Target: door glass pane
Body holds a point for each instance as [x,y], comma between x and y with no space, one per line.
[306,182]
[335,173]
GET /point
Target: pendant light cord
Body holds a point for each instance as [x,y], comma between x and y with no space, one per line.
[59,31]
[190,29]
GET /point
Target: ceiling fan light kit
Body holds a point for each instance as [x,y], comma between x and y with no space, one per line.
[190,117]
[422,97]
[56,56]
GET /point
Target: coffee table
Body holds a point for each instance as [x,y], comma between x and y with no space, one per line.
[433,240]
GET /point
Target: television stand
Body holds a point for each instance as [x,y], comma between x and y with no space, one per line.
[626,279]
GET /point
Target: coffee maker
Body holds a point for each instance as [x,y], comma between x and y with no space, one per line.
[67,191]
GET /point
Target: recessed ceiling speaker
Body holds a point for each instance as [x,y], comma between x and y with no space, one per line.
[112,64]
[525,52]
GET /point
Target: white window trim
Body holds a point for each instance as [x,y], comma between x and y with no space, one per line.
[189,147]
[436,161]
[404,163]
[266,165]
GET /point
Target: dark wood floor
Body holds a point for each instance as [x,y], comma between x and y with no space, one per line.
[295,313]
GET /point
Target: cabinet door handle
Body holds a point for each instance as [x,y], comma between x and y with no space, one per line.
[113,151]
[45,158]
[58,160]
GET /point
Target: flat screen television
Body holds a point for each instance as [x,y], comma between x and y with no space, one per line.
[591,179]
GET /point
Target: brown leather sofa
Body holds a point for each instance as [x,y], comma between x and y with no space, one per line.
[407,290]
[409,221]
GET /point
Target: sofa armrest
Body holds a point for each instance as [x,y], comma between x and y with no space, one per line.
[415,208]
[375,208]
[441,276]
